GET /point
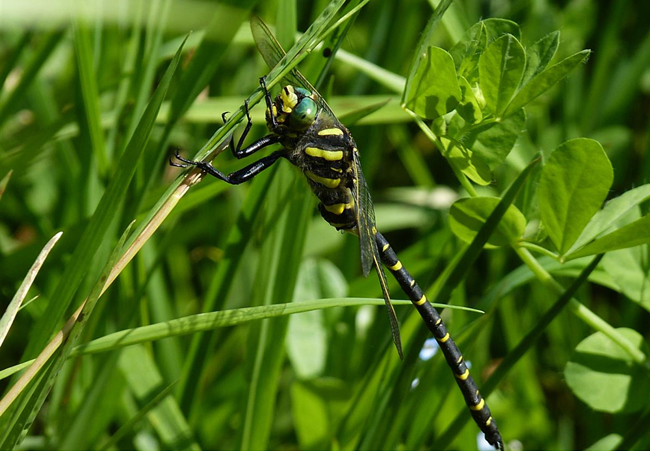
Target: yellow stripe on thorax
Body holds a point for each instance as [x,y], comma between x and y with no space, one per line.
[328,183]
[289,99]
[330,131]
[329,155]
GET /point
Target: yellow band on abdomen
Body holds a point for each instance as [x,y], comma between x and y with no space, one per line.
[478,406]
[329,183]
[337,209]
[396,267]
[463,376]
[329,155]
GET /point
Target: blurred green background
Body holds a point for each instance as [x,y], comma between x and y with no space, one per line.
[77,78]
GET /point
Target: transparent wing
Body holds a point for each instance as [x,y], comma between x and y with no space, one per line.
[272,52]
[365,216]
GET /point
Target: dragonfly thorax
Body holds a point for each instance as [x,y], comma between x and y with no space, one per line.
[295,109]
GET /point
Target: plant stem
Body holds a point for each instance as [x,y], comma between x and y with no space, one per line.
[581,310]
[537,248]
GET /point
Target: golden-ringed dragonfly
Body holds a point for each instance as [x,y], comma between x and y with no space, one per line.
[314,140]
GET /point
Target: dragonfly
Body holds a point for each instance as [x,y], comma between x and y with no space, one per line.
[315,141]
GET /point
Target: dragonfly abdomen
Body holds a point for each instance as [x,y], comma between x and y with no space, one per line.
[477,405]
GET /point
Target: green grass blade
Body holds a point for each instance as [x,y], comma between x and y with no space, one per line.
[202,322]
[90,96]
[4,182]
[145,381]
[46,47]
[14,55]
[287,21]
[455,272]
[12,309]
[129,425]
[424,43]
[207,58]
[70,333]
[277,273]
[94,233]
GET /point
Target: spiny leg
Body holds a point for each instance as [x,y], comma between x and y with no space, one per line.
[477,405]
[261,143]
[269,103]
[236,177]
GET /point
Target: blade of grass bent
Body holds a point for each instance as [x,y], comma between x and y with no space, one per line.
[212,320]
[69,336]
[7,319]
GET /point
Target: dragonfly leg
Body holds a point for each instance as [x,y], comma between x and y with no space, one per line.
[234,178]
[261,143]
[249,124]
[269,104]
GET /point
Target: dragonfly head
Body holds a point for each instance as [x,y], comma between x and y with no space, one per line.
[295,108]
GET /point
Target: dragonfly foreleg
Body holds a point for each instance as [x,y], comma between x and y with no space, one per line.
[234,178]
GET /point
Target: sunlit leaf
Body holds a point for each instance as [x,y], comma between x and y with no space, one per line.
[469,107]
[604,376]
[539,55]
[546,80]
[493,141]
[628,269]
[501,67]
[633,234]
[434,90]
[574,183]
[613,212]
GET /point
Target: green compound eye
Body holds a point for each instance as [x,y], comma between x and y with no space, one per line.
[304,114]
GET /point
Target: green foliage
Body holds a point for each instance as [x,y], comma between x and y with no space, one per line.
[235,317]
[603,376]
[467,216]
[573,186]
[435,90]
